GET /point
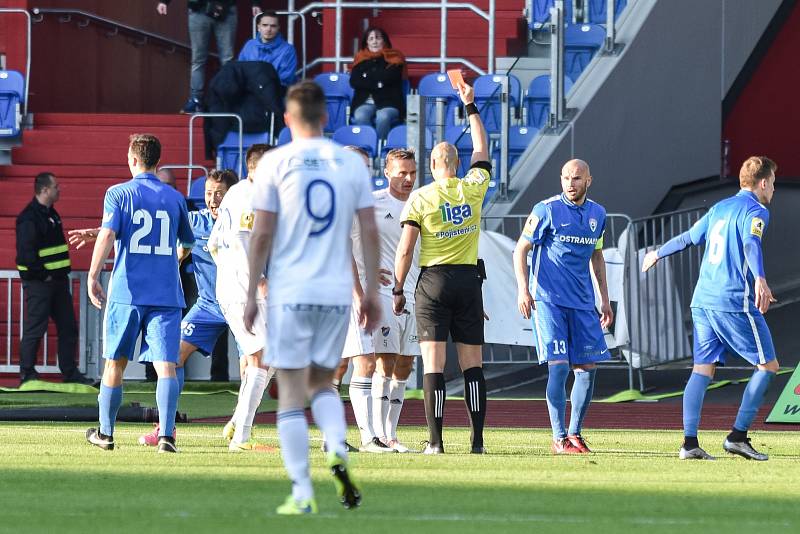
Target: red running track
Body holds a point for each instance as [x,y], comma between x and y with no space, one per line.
[533,414]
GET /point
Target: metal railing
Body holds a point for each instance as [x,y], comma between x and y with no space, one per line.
[27,50]
[116,27]
[191,141]
[189,169]
[338,59]
[14,324]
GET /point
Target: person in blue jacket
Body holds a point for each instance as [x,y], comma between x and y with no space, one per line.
[272,48]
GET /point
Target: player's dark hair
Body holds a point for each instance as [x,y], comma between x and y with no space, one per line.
[224,176]
[42,180]
[309,100]
[386,41]
[254,154]
[755,169]
[269,13]
[399,153]
[146,148]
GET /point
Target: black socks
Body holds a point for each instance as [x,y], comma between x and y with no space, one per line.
[434,393]
[475,399]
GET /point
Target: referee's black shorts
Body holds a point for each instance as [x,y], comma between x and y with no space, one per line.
[449,301]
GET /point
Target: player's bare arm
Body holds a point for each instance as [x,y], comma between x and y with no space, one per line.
[370,312]
[102,248]
[599,268]
[763,295]
[650,260]
[480,145]
[260,245]
[402,263]
[82,236]
[524,299]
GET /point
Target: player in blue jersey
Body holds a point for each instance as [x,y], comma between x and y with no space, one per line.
[143,219]
[565,233]
[203,323]
[729,301]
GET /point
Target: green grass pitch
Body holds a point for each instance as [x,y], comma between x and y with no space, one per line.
[52,481]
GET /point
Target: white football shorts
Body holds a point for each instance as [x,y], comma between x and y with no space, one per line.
[234,316]
[358,341]
[301,335]
[396,334]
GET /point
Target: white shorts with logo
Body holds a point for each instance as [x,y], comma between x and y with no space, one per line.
[358,340]
[396,334]
[301,335]
[234,316]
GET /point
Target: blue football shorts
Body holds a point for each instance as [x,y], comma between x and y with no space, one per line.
[159,326]
[203,325]
[717,333]
[568,334]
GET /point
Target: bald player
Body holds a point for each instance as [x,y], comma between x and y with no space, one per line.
[445,215]
[565,233]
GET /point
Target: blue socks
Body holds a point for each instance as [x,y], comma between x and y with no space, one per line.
[167,391]
[109,401]
[180,373]
[580,398]
[693,397]
[557,398]
[752,399]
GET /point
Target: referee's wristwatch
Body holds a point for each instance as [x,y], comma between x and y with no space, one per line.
[397,291]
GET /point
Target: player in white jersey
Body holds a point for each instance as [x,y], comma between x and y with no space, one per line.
[395,338]
[359,349]
[229,244]
[305,197]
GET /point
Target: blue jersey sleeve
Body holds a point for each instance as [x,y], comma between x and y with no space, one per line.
[755,223]
[185,232]
[112,211]
[696,235]
[537,224]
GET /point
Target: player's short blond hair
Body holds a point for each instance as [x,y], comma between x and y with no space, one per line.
[755,169]
[399,154]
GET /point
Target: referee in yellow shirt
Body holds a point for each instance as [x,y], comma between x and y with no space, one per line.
[446,216]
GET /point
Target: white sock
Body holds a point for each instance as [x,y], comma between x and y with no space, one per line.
[328,412]
[293,435]
[238,396]
[380,403]
[361,400]
[397,392]
[250,398]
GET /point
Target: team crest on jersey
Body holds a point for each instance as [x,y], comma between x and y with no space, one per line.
[385,330]
[246,221]
[757,227]
[593,224]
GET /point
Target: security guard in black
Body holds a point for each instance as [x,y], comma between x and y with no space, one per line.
[44,265]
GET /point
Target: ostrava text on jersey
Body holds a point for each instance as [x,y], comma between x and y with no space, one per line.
[148,218]
[205,270]
[726,282]
[564,236]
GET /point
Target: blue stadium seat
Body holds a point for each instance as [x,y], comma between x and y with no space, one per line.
[519,137]
[197,192]
[463,144]
[228,150]
[379,182]
[437,85]
[361,136]
[581,42]
[541,12]
[597,10]
[338,94]
[398,138]
[537,101]
[12,100]
[487,98]
[285,136]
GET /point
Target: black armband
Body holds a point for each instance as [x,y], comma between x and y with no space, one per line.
[397,291]
[471,109]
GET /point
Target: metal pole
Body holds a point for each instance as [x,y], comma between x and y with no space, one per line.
[416,132]
[504,127]
[191,140]
[556,114]
[338,36]
[443,36]
[290,23]
[490,48]
[611,27]
[27,51]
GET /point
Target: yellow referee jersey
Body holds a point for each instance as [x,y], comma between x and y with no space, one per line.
[448,214]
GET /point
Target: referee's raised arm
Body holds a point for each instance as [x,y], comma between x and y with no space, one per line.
[480,141]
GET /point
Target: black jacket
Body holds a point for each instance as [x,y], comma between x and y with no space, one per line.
[383,81]
[42,251]
[250,88]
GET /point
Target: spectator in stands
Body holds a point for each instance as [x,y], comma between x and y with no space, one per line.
[166,176]
[271,48]
[205,17]
[44,265]
[377,78]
